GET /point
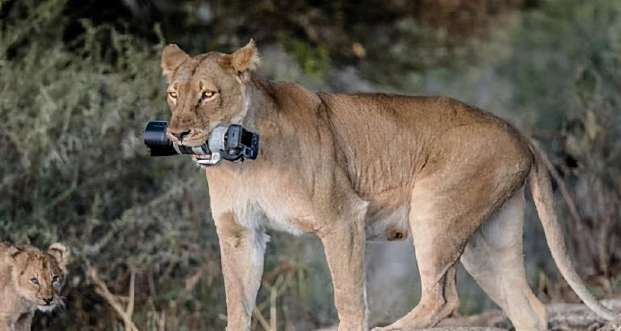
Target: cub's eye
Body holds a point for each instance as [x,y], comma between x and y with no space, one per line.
[55,279]
[207,94]
[172,94]
[34,280]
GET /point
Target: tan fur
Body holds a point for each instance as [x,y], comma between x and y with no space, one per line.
[356,167]
[21,294]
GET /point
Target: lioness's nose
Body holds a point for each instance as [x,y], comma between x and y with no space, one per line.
[48,300]
[179,134]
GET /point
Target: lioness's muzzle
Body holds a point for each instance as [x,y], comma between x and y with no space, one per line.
[231,143]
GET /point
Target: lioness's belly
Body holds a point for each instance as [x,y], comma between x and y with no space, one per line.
[386,224]
[382,223]
[291,209]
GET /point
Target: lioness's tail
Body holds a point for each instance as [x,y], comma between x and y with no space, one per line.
[541,190]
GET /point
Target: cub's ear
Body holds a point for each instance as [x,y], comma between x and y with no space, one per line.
[243,60]
[172,58]
[14,251]
[60,252]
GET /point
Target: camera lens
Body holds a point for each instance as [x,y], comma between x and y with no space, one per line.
[156,140]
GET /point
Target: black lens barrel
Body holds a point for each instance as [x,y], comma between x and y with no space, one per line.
[156,140]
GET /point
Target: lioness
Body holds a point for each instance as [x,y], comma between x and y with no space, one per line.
[30,279]
[356,167]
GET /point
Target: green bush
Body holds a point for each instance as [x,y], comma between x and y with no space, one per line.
[76,170]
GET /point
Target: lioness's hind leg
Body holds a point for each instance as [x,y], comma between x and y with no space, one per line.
[438,247]
[494,258]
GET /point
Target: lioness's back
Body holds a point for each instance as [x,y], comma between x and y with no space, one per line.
[387,139]
[438,112]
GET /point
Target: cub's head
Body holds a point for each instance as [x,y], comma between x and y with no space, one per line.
[39,276]
[205,90]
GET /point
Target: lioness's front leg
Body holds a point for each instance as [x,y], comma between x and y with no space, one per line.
[241,252]
[344,246]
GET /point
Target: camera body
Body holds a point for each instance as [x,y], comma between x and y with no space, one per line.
[231,143]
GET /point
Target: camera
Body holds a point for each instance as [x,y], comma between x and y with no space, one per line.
[231,142]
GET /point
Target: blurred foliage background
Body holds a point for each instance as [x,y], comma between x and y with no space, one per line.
[80,78]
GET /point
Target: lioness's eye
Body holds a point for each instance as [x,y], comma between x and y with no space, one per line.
[34,280]
[172,94]
[208,94]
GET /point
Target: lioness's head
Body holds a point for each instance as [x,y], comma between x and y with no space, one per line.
[205,90]
[39,276]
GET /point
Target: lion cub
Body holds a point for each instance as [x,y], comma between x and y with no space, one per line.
[30,279]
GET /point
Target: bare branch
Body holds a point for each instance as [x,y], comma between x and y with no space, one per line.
[102,289]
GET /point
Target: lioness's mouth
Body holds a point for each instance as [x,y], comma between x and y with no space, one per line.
[198,157]
[194,141]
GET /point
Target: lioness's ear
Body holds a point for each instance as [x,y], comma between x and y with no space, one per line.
[243,60]
[172,58]
[60,252]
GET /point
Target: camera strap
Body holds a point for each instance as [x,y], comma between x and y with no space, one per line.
[231,143]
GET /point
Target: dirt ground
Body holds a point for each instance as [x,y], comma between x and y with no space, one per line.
[561,317]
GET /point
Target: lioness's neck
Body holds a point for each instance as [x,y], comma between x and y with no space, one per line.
[259,103]
[279,113]
[274,106]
